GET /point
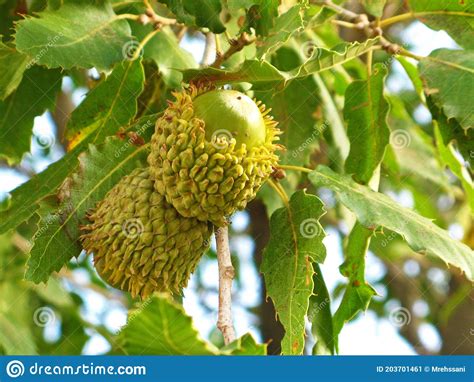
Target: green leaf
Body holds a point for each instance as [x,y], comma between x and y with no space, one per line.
[109,106]
[25,198]
[244,345]
[374,7]
[293,108]
[333,117]
[315,16]
[261,16]
[12,66]
[56,240]
[356,299]
[158,49]
[375,209]
[262,74]
[52,247]
[448,156]
[455,17]
[161,327]
[295,244]
[358,293]
[451,131]
[413,150]
[16,337]
[319,314]
[365,111]
[8,16]
[36,93]
[448,77]
[79,34]
[285,26]
[413,74]
[204,13]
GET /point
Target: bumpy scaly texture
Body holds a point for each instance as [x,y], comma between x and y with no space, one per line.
[140,242]
[208,177]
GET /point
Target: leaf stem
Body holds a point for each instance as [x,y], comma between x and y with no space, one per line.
[344,24]
[142,44]
[370,56]
[280,191]
[296,168]
[127,16]
[411,15]
[406,53]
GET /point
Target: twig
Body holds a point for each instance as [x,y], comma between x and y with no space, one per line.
[236,45]
[226,275]
[345,13]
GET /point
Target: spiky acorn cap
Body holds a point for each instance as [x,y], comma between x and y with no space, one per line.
[211,152]
[141,244]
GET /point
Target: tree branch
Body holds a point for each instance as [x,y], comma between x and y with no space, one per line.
[226,275]
[236,45]
[209,50]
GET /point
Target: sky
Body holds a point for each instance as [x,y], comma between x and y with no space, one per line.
[367,334]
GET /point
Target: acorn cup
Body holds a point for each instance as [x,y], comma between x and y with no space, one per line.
[141,244]
[211,152]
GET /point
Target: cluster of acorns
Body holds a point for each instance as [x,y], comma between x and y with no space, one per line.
[210,153]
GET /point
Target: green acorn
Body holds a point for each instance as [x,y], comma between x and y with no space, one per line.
[211,152]
[140,242]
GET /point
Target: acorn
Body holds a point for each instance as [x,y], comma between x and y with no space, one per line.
[141,244]
[211,152]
